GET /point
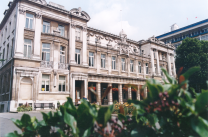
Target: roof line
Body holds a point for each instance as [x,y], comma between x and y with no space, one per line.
[183,28]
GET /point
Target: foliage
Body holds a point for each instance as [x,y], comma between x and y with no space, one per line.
[168,111]
[125,109]
[24,108]
[193,52]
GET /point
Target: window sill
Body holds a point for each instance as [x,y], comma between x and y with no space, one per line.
[92,67]
[29,29]
[114,70]
[103,69]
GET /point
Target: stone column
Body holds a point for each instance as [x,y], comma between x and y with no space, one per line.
[37,42]
[174,70]
[169,64]
[119,65]
[86,88]
[19,44]
[129,93]
[110,95]
[84,46]
[72,44]
[120,97]
[158,64]
[128,66]
[98,92]
[144,69]
[152,61]
[138,92]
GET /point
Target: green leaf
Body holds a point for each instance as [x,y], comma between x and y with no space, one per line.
[12,135]
[87,132]
[200,125]
[121,117]
[201,102]
[69,104]
[135,133]
[71,121]
[170,79]
[104,114]
[25,120]
[190,72]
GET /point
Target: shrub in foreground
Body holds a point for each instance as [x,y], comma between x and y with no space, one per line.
[168,111]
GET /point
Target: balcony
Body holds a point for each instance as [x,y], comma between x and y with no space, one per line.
[46,64]
[62,66]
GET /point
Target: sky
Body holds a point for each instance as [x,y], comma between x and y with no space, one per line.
[140,19]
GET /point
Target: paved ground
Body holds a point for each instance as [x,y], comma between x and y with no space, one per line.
[7,126]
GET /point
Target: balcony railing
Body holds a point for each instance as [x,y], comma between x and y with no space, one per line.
[46,64]
[62,66]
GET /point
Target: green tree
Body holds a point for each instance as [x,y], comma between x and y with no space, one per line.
[193,52]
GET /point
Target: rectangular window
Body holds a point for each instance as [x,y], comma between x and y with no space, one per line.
[3,55]
[62,85]
[132,66]
[45,82]
[46,52]
[154,53]
[62,54]
[147,68]
[77,56]
[102,61]
[114,63]
[61,29]
[123,64]
[7,51]
[27,48]
[12,48]
[91,59]
[46,27]
[78,34]
[161,71]
[139,67]
[29,21]
[155,68]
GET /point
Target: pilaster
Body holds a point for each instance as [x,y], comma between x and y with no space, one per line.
[84,46]
[138,92]
[38,20]
[72,44]
[129,93]
[152,62]
[158,64]
[169,64]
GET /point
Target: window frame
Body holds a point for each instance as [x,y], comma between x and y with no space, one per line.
[123,64]
[30,25]
[27,45]
[113,63]
[139,67]
[77,56]
[103,58]
[45,83]
[61,28]
[78,33]
[132,65]
[62,54]
[49,52]
[91,58]
[147,68]
[47,28]
[62,81]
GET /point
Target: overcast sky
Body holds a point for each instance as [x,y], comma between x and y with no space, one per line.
[141,19]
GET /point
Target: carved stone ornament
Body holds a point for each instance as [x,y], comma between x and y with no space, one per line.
[46,64]
[73,25]
[41,2]
[124,50]
[62,66]
[22,11]
[38,15]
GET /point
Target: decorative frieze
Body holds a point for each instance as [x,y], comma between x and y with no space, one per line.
[73,25]
[38,15]
[22,11]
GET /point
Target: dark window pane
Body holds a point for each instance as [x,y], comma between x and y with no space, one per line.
[78,58]
[47,87]
[63,87]
[59,87]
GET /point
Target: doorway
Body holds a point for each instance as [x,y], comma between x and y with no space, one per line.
[79,90]
[104,101]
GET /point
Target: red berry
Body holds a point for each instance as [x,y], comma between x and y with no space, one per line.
[173,102]
[160,94]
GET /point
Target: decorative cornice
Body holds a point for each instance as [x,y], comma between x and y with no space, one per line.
[84,29]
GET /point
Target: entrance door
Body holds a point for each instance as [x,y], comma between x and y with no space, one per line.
[77,94]
[25,89]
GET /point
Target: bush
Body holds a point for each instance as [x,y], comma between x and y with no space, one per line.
[168,111]
[24,108]
[125,109]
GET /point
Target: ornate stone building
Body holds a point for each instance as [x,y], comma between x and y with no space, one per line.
[50,53]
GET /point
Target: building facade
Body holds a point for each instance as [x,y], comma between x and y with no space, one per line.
[50,53]
[197,30]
